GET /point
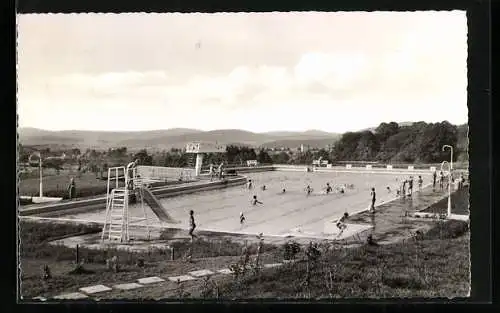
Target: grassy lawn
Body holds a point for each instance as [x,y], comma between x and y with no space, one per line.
[425,268]
[87,184]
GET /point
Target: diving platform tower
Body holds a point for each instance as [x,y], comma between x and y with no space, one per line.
[200,149]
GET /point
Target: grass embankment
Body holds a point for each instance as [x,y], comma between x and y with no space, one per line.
[459,203]
[436,265]
[57,185]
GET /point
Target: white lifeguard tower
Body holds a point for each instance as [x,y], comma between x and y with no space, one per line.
[199,149]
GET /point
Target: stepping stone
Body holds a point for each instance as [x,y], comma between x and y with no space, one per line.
[225,271]
[201,273]
[71,296]
[271,265]
[150,280]
[128,286]
[181,278]
[95,289]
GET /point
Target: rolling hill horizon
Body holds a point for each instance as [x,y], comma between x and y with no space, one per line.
[175,138]
[163,139]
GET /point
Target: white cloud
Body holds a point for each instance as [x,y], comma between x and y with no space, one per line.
[245,72]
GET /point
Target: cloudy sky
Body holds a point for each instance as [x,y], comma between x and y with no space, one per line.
[259,72]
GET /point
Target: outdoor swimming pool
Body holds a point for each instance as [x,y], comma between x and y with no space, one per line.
[280,214]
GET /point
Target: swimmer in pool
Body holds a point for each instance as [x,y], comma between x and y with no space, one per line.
[242,218]
[263,187]
[328,188]
[249,184]
[255,201]
[342,189]
[283,191]
[388,189]
[308,190]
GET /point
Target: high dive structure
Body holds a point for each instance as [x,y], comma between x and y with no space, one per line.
[200,149]
[123,182]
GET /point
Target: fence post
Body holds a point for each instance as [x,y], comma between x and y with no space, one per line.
[77,255]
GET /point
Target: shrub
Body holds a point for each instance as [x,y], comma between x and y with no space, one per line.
[290,250]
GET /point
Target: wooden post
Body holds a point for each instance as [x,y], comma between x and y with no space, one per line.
[77,255]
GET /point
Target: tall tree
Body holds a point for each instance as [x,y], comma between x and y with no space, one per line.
[143,157]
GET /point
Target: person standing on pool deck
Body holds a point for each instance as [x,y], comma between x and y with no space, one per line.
[221,170]
[373,195]
[410,186]
[192,224]
[211,171]
[441,180]
[255,201]
[71,188]
[341,225]
[434,180]
[420,182]
[403,191]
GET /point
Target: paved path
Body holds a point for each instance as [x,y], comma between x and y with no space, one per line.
[97,292]
[390,222]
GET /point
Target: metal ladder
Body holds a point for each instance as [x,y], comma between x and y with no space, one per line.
[117,224]
[117,214]
[124,182]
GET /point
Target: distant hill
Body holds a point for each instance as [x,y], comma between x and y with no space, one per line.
[94,139]
[169,138]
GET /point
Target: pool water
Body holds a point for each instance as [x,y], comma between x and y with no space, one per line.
[279,214]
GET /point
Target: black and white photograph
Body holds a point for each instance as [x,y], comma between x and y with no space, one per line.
[236,156]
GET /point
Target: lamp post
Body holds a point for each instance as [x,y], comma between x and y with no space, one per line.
[449,177]
[39,155]
[451,155]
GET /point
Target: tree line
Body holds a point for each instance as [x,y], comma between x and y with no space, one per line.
[389,143]
[417,143]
